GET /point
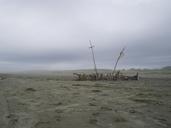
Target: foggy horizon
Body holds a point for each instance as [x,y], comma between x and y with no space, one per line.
[55,34]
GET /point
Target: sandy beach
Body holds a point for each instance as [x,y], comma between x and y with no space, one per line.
[47,103]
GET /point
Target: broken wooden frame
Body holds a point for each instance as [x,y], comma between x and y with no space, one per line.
[102,76]
[106,76]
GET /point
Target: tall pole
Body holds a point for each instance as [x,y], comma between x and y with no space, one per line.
[91,47]
[120,55]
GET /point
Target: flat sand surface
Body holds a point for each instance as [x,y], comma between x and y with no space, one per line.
[49,103]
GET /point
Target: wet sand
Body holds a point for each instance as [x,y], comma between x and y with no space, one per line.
[47,103]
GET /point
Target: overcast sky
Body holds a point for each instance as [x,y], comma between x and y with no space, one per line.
[55,34]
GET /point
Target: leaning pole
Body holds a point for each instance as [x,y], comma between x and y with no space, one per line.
[92,51]
[120,55]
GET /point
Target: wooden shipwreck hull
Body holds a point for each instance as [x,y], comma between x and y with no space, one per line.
[101,76]
[107,76]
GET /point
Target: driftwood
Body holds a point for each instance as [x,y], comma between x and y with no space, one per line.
[135,77]
[106,76]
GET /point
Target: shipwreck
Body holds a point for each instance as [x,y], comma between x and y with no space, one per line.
[113,76]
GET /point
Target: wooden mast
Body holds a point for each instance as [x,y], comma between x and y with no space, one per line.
[120,55]
[91,47]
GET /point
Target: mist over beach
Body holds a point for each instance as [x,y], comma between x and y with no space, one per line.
[85,63]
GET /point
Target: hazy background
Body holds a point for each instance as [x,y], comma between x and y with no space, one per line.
[55,34]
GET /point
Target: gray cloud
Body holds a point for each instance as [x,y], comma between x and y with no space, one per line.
[55,33]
